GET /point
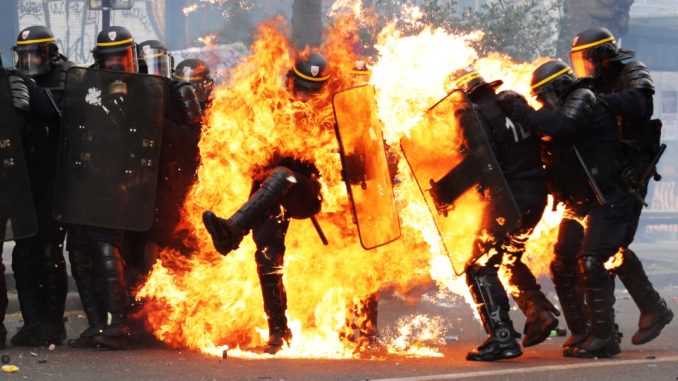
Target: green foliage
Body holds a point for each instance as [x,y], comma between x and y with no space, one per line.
[523,29]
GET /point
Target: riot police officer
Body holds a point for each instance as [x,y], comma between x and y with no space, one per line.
[584,165]
[626,87]
[517,151]
[196,72]
[38,261]
[12,209]
[288,188]
[95,252]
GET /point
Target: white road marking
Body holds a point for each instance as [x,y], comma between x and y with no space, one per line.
[535,369]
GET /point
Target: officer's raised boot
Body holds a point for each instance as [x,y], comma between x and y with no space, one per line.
[52,329]
[502,342]
[603,339]
[275,305]
[654,313]
[539,316]
[81,268]
[228,233]
[27,281]
[570,294]
[115,334]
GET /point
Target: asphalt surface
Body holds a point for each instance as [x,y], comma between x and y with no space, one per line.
[657,360]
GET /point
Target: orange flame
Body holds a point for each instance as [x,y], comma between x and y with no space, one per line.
[208,302]
[615,261]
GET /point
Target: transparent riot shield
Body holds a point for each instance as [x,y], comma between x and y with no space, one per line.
[364,161]
[110,145]
[17,212]
[458,175]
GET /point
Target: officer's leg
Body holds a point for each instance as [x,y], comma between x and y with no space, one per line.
[604,233]
[110,267]
[25,266]
[81,256]
[539,311]
[493,307]
[3,299]
[269,236]
[566,281]
[54,289]
[654,313]
[227,233]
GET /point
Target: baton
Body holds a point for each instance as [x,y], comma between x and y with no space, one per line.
[52,101]
[319,230]
[592,182]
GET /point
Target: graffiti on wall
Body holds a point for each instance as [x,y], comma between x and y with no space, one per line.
[76,27]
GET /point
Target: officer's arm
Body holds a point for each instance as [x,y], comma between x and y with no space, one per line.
[544,120]
[635,101]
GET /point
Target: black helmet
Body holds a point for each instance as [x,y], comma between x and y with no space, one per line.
[116,50]
[469,80]
[550,80]
[197,73]
[309,74]
[35,50]
[155,58]
[592,48]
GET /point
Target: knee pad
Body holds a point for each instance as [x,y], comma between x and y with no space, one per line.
[592,271]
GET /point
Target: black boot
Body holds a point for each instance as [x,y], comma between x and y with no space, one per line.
[228,233]
[82,270]
[570,294]
[26,275]
[539,316]
[654,314]
[52,329]
[275,305]
[603,339]
[502,342]
[110,268]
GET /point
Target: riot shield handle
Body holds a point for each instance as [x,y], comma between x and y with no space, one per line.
[319,230]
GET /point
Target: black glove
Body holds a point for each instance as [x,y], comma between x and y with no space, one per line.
[19,91]
[513,104]
[184,107]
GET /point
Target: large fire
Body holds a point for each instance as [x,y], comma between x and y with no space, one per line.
[207,302]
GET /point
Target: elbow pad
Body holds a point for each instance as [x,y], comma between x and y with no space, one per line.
[635,75]
[579,105]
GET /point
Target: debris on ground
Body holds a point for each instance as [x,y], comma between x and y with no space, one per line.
[5,359]
[33,354]
[7,368]
[52,347]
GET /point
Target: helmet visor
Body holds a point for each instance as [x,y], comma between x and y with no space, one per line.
[121,59]
[582,64]
[157,61]
[32,60]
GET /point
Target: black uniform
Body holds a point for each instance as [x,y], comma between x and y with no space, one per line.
[21,102]
[38,262]
[584,124]
[626,88]
[517,151]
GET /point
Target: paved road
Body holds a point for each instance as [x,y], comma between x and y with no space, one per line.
[657,360]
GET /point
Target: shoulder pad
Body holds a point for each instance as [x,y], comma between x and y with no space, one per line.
[579,104]
[635,75]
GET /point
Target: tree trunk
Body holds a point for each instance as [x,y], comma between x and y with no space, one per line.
[307,24]
[579,15]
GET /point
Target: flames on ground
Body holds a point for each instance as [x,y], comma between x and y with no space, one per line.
[208,301]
